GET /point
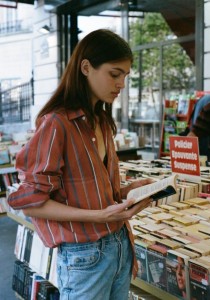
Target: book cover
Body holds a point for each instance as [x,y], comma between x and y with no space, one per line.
[167,233]
[169,244]
[156,257]
[200,248]
[149,238]
[24,243]
[180,205]
[15,276]
[183,106]
[151,227]
[177,274]
[185,239]
[199,280]
[45,262]
[161,216]
[53,272]
[153,210]
[167,208]
[180,126]
[197,201]
[36,279]
[141,255]
[177,213]
[36,253]
[140,230]
[27,283]
[186,220]
[148,220]
[19,241]
[28,245]
[187,252]
[205,188]
[188,190]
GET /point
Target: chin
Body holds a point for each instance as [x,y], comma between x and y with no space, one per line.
[108,101]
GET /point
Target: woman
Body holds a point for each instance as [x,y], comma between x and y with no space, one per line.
[70,183]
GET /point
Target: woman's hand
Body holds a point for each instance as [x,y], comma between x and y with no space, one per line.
[123,211]
[133,185]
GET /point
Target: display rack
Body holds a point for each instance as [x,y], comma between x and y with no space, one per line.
[175,120]
[152,290]
[157,292]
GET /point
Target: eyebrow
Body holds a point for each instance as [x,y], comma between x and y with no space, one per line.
[121,70]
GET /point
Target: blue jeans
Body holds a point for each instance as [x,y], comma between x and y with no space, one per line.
[97,270]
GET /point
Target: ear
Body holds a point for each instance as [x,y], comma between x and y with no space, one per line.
[85,67]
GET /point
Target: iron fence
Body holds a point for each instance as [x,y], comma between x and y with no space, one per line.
[15,26]
[15,103]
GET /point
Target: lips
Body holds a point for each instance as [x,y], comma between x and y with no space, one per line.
[115,94]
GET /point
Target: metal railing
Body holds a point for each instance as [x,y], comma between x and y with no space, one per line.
[15,103]
[16,26]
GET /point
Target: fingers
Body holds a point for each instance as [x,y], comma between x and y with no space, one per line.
[126,210]
[128,203]
[141,182]
[133,208]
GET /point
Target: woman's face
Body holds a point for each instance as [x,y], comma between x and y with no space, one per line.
[180,274]
[106,82]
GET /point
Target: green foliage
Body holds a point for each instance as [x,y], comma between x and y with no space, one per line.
[178,69]
[152,28]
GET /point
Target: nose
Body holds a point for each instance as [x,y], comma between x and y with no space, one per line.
[121,83]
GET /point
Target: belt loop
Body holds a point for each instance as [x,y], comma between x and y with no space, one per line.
[102,244]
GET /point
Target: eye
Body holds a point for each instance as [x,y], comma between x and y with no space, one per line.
[115,74]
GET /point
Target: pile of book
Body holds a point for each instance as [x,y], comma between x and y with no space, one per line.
[160,169]
[173,248]
[35,262]
[172,237]
[31,286]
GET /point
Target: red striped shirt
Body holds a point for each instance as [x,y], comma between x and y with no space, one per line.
[61,162]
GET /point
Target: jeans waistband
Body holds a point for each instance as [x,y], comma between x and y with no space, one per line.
[122,233]
[118,234]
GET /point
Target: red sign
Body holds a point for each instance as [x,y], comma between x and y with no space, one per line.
[184,152]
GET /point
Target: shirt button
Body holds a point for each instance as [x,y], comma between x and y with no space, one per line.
[83,118]
[93,139]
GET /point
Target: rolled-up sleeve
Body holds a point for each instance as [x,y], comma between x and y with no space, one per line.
[39,165]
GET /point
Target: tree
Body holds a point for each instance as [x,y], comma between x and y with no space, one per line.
[178,69]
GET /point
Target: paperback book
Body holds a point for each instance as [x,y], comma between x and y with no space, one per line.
[155,190]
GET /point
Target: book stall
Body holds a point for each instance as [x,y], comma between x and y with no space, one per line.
[172,235]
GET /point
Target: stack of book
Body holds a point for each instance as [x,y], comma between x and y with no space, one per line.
[30,250]
[31,286]
[172,237]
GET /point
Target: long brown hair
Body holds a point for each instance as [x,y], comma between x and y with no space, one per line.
[99,47]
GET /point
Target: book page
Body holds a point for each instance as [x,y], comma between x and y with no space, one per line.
[152,188]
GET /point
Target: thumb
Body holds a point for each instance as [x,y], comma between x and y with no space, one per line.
[128,203]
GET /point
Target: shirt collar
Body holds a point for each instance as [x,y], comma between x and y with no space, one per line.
[74,114]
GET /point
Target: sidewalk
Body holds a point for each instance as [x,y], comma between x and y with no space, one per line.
[8,229]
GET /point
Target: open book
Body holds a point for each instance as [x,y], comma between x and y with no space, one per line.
[155,190]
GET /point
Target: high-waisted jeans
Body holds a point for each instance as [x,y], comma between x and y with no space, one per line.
[97,270]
